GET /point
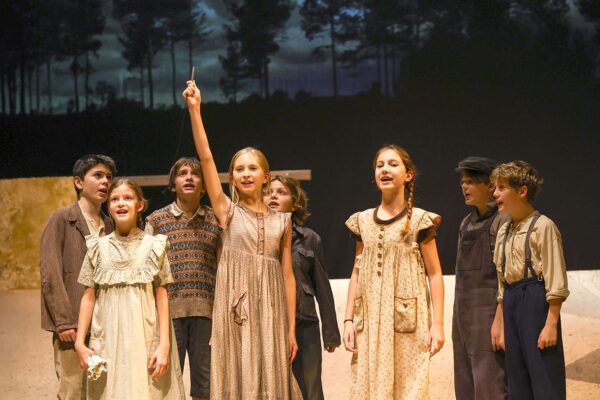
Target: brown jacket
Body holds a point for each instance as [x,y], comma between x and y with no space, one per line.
[61,256]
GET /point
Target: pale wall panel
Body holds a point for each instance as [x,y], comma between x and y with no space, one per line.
[26,204]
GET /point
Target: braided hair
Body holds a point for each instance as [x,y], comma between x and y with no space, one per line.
[409,187]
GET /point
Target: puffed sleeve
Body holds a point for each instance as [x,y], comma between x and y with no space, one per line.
[427,227]
[352,224]
[160,262]
[90,261]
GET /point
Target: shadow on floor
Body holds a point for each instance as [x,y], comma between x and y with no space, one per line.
[586,368]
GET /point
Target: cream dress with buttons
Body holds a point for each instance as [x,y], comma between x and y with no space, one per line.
[124,328]
[392,313]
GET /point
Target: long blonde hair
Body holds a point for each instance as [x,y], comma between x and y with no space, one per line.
[409,187]
[262,162]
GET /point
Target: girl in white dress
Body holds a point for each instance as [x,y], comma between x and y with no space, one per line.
[125,300]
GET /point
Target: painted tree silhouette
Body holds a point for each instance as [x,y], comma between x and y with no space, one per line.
[82,22]
[144,34]
[183,23]
[256,25]
[327,18]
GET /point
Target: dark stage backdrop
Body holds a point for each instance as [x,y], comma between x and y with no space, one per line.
[337,140]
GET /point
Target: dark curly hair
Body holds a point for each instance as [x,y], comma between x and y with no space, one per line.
[299,198]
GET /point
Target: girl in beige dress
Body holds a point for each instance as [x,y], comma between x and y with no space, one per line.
[125,300]
[388,315]
[254,314]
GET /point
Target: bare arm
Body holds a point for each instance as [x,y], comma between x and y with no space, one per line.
[497,331]
[349,334]
[436,283]
[218,200]
[160,359]
[289,283]
[549,334]
[86,309]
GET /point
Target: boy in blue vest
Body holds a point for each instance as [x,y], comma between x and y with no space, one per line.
[532,285]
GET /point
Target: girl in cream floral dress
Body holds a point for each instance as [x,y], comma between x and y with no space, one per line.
[388,322]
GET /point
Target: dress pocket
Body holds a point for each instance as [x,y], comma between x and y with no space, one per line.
[405,314]
[359,316]
[239,308]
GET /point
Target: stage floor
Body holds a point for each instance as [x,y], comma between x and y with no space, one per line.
[27,370]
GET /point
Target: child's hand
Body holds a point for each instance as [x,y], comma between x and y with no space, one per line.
[159,361]
[435,339]
[293,345]
[497,334]
[349,337]
[68,335]
[83,352]
[547,337]
[330,349]
[191,94]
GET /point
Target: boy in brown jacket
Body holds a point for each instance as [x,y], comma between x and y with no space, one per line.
[61,256]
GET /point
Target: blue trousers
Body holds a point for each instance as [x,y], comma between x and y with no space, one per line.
[307,364]
[532,373]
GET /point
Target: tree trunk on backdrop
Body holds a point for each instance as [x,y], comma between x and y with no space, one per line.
[266,77]
[22,85]
[87,80]
[75,70]
[2,92]
[386,70]
[142,85]
[37,88]
[333,55]
[49,78]
[173,72]
[30,88]
[150,82]
[12,90]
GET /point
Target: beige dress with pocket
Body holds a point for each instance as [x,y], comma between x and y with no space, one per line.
[392,313]
[124,329]
[250,347]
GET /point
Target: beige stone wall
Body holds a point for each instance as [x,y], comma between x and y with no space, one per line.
[26,204]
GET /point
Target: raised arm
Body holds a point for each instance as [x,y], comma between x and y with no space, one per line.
[218,200]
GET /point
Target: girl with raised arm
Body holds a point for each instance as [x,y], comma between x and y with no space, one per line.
[253,336]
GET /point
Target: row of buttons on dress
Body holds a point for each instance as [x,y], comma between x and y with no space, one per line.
[380,250]
[261,233]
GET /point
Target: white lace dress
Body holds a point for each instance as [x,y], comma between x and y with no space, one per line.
[124,328]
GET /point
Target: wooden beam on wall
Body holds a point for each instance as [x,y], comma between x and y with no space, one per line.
[163,180]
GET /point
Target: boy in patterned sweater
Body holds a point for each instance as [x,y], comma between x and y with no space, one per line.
[193,233]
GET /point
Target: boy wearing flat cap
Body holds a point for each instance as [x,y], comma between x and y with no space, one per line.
[477,327]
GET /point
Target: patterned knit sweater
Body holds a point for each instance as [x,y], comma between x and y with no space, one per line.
[192,254]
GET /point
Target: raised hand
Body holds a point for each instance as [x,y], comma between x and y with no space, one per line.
[192,95]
